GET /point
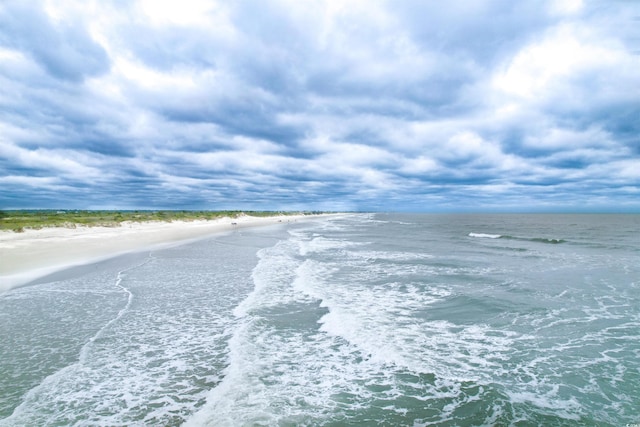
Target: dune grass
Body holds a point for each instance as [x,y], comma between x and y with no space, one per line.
[20,220]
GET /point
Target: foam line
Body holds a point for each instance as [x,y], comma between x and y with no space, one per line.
[84,351]
[122,312]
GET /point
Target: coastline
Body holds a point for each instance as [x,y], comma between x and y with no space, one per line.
[32,254]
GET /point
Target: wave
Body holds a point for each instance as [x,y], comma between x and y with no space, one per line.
[526,239]
[485,236]
[544,240]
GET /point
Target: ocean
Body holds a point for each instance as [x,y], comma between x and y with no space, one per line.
[360,319]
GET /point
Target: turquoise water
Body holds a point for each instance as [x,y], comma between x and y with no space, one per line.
[369,319]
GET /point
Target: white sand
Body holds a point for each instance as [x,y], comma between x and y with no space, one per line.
[36,253]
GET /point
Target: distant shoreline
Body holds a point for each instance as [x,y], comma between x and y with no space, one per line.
[24,219]
[34,253]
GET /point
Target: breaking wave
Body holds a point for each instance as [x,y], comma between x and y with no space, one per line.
[526,239]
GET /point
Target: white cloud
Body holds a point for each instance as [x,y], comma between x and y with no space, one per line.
[338,153]
[419,165]
[565,7]
[571,68]
[554,138]
[48,159]
[179,80]
[468,145]
[184,12]
[30,181]
[539,66]
[368,101]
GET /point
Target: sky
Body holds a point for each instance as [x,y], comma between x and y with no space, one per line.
[362,105]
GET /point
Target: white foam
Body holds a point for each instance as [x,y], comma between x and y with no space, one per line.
[320,244]
[366,335]
[391,256]
[384,322]
[272,278]
[150,364]
[377,328]
[284,376]
[485,236]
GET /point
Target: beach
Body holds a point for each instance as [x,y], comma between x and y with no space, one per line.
[33,253]
[353,319]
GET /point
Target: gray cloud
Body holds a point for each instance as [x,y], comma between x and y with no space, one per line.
[64,49]
[407,105]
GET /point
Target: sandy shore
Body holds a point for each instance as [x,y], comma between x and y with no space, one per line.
[36,253]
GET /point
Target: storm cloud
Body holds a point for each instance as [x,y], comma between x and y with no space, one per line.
[332,105]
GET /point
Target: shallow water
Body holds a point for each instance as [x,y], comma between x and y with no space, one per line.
[357,320]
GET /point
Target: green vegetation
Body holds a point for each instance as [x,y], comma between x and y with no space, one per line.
[19,220]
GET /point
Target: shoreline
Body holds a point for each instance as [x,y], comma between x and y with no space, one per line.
[32,254]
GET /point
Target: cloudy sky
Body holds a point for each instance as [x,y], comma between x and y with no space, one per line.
[405,105]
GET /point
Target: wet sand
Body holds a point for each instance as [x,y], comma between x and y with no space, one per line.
[36,253]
